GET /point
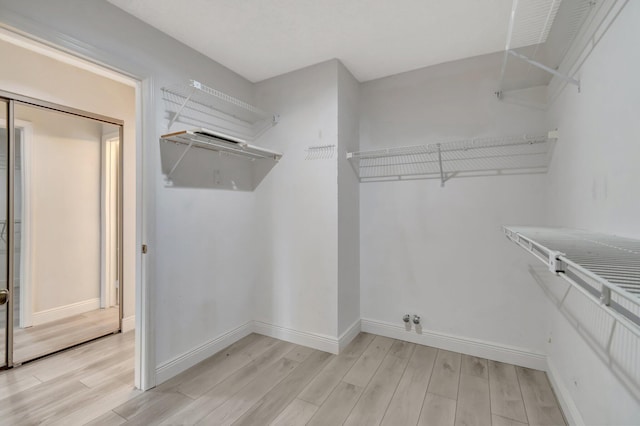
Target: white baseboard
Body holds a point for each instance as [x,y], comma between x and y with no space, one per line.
[350,334]
[479,348]
[568,405]
[128,323]
[177,365]
[312,340]
[62,312]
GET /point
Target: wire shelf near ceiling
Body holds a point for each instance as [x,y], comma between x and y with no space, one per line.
[472,157]
[197,104]
[605,268]
[540,34]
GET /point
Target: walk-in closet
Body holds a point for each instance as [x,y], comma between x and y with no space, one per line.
[322,213]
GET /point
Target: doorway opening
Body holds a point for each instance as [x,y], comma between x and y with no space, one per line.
[73,81]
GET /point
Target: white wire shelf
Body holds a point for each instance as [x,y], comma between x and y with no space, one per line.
[605,268]
[202,158]
[540,33]
[473,157]
[197,104]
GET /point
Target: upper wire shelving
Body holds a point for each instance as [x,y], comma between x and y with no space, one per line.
[539,36]
[470,157]
[605,268]
[199,105]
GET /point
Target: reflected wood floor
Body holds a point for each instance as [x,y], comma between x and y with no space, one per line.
[33,342]
[260,381]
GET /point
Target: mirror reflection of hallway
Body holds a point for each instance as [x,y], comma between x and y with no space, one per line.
[66,288]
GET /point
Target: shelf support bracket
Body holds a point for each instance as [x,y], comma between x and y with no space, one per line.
[442,179]
[175,166]
[179,111]
[545,68]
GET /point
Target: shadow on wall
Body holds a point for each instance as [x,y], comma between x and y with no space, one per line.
[611,341]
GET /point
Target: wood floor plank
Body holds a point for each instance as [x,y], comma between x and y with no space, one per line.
[194,372]
[503,421]
[94,402]
[298,413]
[299,353]
[33,406]
[506,398]
[160,407]
[539,400]
[402,349]
[437,411]
[219,394]
[406,403]
[271,405]
[474,366]
[39,340]
[373,403]
[241,402]
[225,366]
[107,419]
[446,374]
[474,403]
[323,384]
[366,366]
[338,406]
[16,384]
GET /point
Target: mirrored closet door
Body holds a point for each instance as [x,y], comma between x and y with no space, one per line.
[62,234]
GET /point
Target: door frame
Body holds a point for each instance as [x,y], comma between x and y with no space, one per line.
[26,231]
[128,69]
[108,222]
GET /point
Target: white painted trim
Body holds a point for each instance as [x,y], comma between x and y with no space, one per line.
[128,323]
[27,245]
[177,365]
[145,338]
[108,221]
[62,312]
[345,338]
[317,341]
[568,405]
[475,347]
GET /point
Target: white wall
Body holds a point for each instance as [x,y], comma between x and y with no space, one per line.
[348,202]
[593,184]
[296,236]
[439,252]
[185,274]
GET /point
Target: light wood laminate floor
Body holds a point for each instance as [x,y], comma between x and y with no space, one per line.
[264,381]
[33,342]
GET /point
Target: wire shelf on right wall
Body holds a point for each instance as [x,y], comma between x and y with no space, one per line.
[507,155]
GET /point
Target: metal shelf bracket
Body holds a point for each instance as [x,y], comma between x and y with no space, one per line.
[545,68]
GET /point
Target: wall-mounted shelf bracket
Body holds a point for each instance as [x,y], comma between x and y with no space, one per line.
[545,68]
[443,175]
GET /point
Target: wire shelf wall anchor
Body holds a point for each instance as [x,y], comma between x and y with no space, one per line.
[320,152]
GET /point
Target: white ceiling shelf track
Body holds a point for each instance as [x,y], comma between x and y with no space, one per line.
[197,104]
[464,158]
[540,33]
[605,268]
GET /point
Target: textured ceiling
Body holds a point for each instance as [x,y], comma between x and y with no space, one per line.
[260,39]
